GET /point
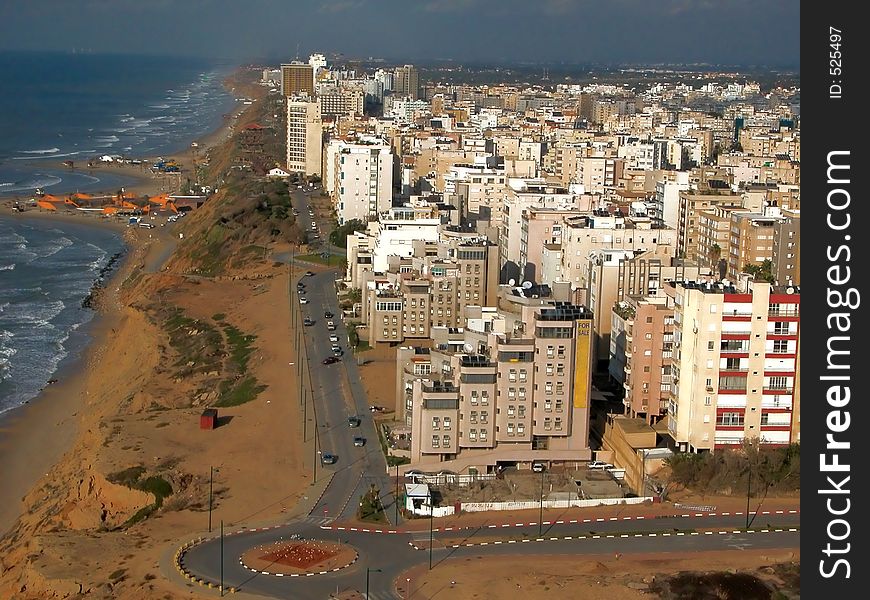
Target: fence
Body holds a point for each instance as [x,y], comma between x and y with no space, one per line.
[566,503]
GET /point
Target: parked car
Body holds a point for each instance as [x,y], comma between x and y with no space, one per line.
[330,325]
[328,459]
[303,300]
[374,408]
[353,421]
[538,467]
[328,315]
[333,338]
[337,350]
[330,360]
[359,441]
[599,464]
[307,322]
[309,273]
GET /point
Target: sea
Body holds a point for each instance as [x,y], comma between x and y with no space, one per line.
[58,107]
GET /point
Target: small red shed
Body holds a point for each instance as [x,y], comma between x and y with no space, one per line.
[208,419]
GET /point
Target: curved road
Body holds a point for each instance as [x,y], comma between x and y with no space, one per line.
[332,394]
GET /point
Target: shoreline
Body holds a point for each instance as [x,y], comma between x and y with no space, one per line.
[35,436]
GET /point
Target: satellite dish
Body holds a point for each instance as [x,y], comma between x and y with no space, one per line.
[512,281]
[789,290]
[469,347]
[527,285]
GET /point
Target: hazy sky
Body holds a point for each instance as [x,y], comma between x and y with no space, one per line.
[759,32]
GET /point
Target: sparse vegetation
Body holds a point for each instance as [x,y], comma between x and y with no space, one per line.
[338,236]
[154,485]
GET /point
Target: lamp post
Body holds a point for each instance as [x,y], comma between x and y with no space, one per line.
[368,570]
[748,493]
[396,495]
[211,472]
[431,519]
[408,581]
[222,557]
[541,516]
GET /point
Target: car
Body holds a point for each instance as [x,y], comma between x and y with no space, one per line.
[303,300]
[300,286]
[330,360]
[333,338]
[309,273]
[337,350]
[328,315]
[330,325]
[353,421]
[359,441]
[374,408]
[328,458]
[599,464]
[307,322]
[538,467]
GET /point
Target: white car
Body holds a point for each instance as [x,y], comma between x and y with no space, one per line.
[333,338]
[303,300]
[599,464]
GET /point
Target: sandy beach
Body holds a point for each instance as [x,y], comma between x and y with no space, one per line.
[119,406]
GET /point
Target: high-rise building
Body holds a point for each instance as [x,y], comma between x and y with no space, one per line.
[297,79]
[736,357]
[407,82]
[787,248]
[304,136]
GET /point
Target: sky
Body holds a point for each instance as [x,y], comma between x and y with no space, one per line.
[737,32]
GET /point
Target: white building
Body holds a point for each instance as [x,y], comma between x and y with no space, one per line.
[362,187]
[397,231]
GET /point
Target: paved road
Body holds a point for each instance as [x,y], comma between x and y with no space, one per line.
[336,393]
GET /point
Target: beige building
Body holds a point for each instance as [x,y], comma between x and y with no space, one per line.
[304,136]
[688,223]
[787,249]
[714,235]
[734,365]
[407,82]
[513,392]
[751,240]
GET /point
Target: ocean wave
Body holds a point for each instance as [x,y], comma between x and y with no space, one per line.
[54,248]
[160,106]
[61,155]
[7,267]
[33,313]
[107,138]
[47,151]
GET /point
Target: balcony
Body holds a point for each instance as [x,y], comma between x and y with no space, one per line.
[784,313]
[778,390]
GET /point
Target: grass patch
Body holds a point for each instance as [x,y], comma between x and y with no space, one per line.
[117,574]
[316,258]
[154,485]
[246,390]
[393,461]
[218,317]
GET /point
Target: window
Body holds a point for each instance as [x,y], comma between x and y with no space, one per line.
[523,375]
[548,406]
[561,352]
[474,398]
[547,424]
[521,428]
[550,352]
[730,419]
[560,369]
[510,428]
[512,392]
[445,441]
[483,435]
[548,387]
[780,347]
[484,416]
[512,375]
[472,435]
[521,411]
[558,423]
[510,410]
[780,328]
[522,393]
[446,422]
[435,441]
[707,400]
[711,345]
[764,417]
[436,423]
[484,397]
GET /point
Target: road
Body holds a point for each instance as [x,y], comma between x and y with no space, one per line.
[336,393]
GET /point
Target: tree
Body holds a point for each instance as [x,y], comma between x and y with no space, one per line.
[715,254]
[762,272]
[338,237]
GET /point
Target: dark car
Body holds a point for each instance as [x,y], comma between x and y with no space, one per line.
[309,273]
[308,322]
[353,421]
[330,360]
[328,315]
[328,459]
[359,441]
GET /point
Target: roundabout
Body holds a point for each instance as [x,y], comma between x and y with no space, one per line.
[298,558]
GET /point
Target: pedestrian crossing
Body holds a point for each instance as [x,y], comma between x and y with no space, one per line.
[318,520]
[382,595]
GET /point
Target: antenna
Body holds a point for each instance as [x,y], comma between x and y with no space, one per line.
[297,50]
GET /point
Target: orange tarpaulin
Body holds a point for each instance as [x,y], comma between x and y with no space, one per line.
[50,198]
[110,210]
[80,196]
[46,205]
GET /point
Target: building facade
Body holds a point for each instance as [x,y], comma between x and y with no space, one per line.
[304,136]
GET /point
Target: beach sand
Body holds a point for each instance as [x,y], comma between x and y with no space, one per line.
[120,407]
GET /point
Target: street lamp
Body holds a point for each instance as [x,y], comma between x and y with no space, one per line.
[368,570]
[396,498]
[431,519]
[211,472]
[222,557]
[541,517]
[408,581]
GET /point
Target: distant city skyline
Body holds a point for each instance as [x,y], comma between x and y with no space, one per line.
[731,32]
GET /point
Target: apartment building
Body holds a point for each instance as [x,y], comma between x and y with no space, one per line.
[751,240]
[407,82]
[430,290]
[297,79]
[513,392]
[735,361]
[693,202]
[714,236]
[304,136]
[341,101]
[787,248]
[363,185]
[599,173]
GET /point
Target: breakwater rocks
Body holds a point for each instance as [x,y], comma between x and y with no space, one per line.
[92,299]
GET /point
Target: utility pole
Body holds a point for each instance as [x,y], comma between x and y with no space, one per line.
[541,516]
[211,471]
[396,498]
[368,570]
